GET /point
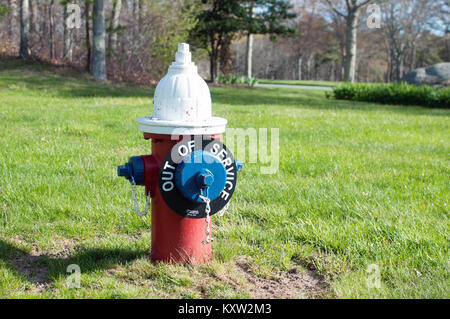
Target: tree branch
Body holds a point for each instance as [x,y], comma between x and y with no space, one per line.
[334,9]
[363,3]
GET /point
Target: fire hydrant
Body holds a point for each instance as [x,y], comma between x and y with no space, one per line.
[190,175]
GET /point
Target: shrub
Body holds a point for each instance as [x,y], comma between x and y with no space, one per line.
[233,79]
[403,93]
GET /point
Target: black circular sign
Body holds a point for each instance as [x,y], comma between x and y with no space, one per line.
[167,184]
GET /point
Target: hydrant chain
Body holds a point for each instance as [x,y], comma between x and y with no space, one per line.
[223,210]
[208,220]
[135,201]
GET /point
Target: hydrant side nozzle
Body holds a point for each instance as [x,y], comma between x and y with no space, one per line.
[239,166]
[133,170]
[137,169]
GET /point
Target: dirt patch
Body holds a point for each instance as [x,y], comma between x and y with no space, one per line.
[294,283]
[33,265]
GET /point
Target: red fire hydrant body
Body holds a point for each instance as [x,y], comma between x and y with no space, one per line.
[187,180]
[175,238]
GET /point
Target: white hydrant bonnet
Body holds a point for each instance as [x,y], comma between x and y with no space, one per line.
[182,102]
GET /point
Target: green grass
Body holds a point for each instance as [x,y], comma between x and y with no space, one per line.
[358,184]
[296,82]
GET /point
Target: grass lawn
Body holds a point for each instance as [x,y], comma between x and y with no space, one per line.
[358,184]
[296,82]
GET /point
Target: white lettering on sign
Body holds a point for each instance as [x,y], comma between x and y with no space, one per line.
[227,162]
[224,194]
[167,177]
[222,155]
[215,148]
[167,165]
[183,150]
[167,186]
[191,145]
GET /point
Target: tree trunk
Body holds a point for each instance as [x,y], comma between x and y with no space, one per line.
[65,33]
[137,17]
[249,54]
[211,68]
[299,67]
[447,44]
[350,59]
[88,35]
[214,58]
[99,45]
[52,30]
[32,18]
[333,71]
[214,65]
[67,38]
[401,69]
[115,14]
[24,12]
[11,19]
[309,65]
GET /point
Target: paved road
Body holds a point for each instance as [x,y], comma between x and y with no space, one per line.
[293,86]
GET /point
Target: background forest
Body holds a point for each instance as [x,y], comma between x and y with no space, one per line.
[298,40]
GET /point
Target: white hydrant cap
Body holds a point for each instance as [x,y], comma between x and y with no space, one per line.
[182,102]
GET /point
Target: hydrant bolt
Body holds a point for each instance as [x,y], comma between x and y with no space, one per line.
[205,178]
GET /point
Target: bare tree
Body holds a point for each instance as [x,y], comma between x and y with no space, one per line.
[249,45]
[51,27]
[12,17]
[99,41]
[24,12]
[67,34]
[310,39]
[115,15]
[350,11]
[87,9]
[405,21]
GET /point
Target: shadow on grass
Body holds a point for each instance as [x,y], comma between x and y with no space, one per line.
[42,268]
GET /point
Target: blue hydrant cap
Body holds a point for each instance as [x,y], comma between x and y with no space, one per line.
[133,169]
[201,173]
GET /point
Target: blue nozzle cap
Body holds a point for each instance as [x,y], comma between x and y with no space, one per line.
[123,170]
[133,169]
[239,166]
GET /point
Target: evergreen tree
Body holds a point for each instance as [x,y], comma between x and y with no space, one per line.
[265,17]
[221,19]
